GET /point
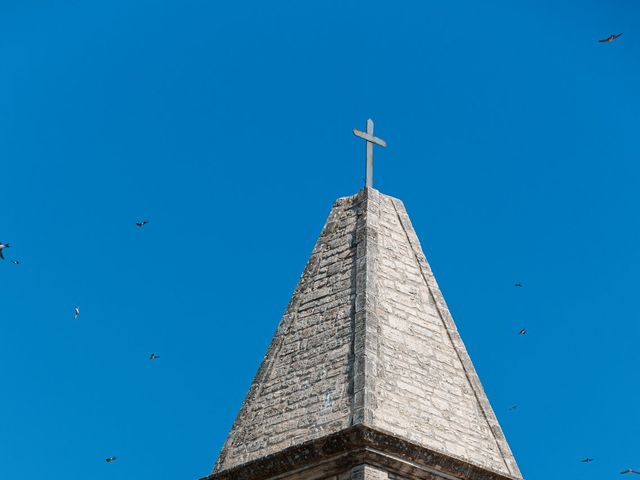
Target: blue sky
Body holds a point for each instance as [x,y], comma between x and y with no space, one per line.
[512,141]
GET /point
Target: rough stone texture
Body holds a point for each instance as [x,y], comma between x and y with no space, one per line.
[425,388]
[367,472]
[367,339]
[303,388]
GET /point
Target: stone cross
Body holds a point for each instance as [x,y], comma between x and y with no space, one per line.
[368,136]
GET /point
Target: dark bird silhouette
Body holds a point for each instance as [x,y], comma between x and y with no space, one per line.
[76,312]
[628,470]
[110,459]
[153,356]
[15,262]
[2,247]
[513,408]
[587,460]
[523,331]
[517,284]
[610,38]
[142,223]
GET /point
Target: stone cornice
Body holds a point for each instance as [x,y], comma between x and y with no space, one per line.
[338,452]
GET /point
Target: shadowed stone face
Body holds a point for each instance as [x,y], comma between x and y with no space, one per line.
[367,339]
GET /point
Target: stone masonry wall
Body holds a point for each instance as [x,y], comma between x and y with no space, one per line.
[423,384]
[303,390]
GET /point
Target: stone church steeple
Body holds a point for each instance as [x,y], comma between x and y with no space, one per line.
[366,377]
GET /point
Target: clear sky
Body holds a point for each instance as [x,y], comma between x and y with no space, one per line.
[513,141]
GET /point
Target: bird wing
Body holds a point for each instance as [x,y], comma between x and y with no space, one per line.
[604,40]
[1,256]
[615,36]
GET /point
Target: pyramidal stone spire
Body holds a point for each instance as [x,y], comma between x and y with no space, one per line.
[366,377]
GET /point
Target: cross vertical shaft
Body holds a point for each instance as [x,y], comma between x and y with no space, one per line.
[370,139]
[369,164]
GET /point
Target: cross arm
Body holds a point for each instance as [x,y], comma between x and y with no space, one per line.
[369,138]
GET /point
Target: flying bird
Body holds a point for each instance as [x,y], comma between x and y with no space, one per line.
[2,247]
[142,223]
[517,284]
[587,460]
[110,459]
[513,408]
[153,356]
[610,38]
[628,470]
[15,262]
[523,331]
[76,312]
